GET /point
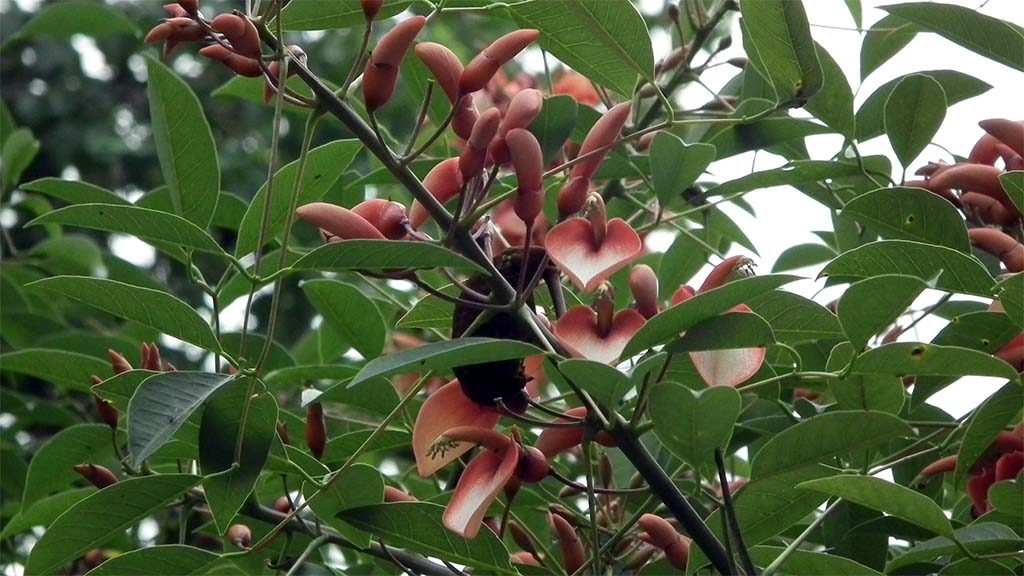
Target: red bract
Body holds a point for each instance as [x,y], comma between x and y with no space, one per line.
[444,65]
[444,182]
[381,73]
[590,250]
[482,68]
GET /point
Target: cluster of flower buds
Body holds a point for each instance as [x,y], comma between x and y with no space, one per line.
[374,219]
[659,533]
[119,364]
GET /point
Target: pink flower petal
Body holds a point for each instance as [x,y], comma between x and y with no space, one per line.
[446,409]
[479,485]
[554,441]
[571,246]
[728,367]
[578,332]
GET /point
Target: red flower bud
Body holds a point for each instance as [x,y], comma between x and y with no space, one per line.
[602,135]
[150,357]
[521,537]
[444,182]
[240,536]
[241,65]
[529,165]
[381,73]
[338,221]
[573,554]
[1000,245]
[118,362]
[175,10]
[1006,131]
[282,505]
[572,197]
[465,117]
[643,283]
[106,411]
[661,534]
[578,87]
[533,465]
[190,6]
[682,294]
[386,216]
[282,433]
[371,8]
[241,32]
[94,558]
[727,271]
[474,156]
[482,68]
[392,494]
[444,65]
[316,430]
[525,106]
[98,476]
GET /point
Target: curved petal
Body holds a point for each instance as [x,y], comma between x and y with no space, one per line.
[479,485]
[578,332]
[571,247]
[534,368]
[446,409]
[728,367]
[554,441]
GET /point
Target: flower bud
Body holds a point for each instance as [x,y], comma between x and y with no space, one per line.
[241,65]
[282,505]
[643,283]
[524,559]
[675,59]
[661,534]
[118,362]
[528,161]
[533,465]
[241,32]
[387,217]
[240,536]
[444,182]
[282,433]
[274,70]
[151,357]
[521,537]
[94,558]
[98,476]
[465,117]
[338,221]
[602,135]
[106,411]
[523,109]
[381,73]
[316,430]
[728,270]
[739,62]
[444,65]
[392,494]
[189,6]
[573,554]
[572,197]
[474,156]
[682,294]
[482,68]
[371,8]
[1001,245]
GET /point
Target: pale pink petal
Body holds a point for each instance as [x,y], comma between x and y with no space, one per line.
[571,247]
[577,332]
[554,441]
[728,367]
[479,485]
[446,409]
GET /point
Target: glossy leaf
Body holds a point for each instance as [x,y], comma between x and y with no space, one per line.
[780,33]
[1011,296]
[184,144]
[881,393]
[43,511]
[802,256]
[605,40]
[67,370]
[73,191]
[833,104]
[604,383]
[794,319]
[160,560]
[691,423]
[381,255]
[161,405]
[105,513]
[988,420]
[153,308]
[729,331]
[443,355]
[911,214]
[980,538]
[808,563]
[1013,184]
[913,113]
[915,358]
[360,485]
[555,123]
[957,87]
[957,272]
[676,166]
[430,311]
[684,258]
[883,41]
[351,313]
[51,468]
[873,304]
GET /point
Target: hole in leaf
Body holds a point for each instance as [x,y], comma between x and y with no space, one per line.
[910,220]
[917,352]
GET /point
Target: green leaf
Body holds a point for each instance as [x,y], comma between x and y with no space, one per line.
[856,11]
[1013,184]
[676,166]
[324,165]
[1007,496]
[916,358]
[957,272]
[764,133]
[802,256]
[417,527]
[555,123]
[360,485]
[102,515]
[17,154]
[119,389]
[604,383]
[232,412]
[833,104]
[444,355]
[605,40]
[382,255]
[430,311]
[911,214]
[160,560]
[873,304]
[67,370]
[991,37]
[824,437]
[73,191]
[881,393]
[332,14]
[956,85]
[184,144]
[981,538]
[684,258]
[153,308]
[64,20]
[141,222]
[795,319]
[379,398]
[161,404]
[672,322]
[1011,296]
[50,469]
[43,511]
[691,423]
[988,420]
[781,35]
[893,499]
[980,567]
[883,41]
[807,563]
[350,312]
[913,113]
[729,331]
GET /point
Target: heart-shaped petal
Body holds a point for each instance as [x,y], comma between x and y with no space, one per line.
[446,409]
[728,367]
[572,248]
[578,332]
[478,486]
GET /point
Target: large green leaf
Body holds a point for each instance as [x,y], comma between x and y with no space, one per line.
[99,517]
[795,319]
[65,19]
[17,153]
[430,311]
[871,305]
[605,40]
[68,370]
[417,526]
[980,538]
[888,497]
[672,322]
[991,37]
[956,85]
[883,41]
[324,165]
[833,104]
[693,424]
[160,406]
[360,485]
[807,563]
[73,191]
[1011,296]
[141,222]
[51,468]
[911,214]
[153,308]
[160,560]
[881,393]
[443,355]
[676,166]
[684,258]
[331,14]
[761,134]
[985,424]
[43,511]
[913,113]
[604,383]
[231,413]
[382,255]
[351,313]
[184,144]
[781,35]
[957,272]
[802,256]
[916,358]
[729,331]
